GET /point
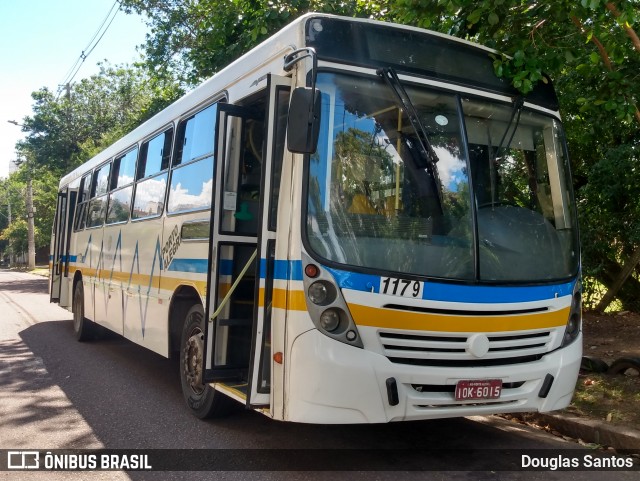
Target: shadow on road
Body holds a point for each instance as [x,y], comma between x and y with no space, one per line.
[31,285]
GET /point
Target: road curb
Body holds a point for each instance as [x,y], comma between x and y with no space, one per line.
[586,429]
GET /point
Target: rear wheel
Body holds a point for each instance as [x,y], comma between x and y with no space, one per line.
[203,400]
[83,328]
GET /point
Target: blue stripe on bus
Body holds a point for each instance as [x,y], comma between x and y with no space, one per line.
[64,258]
[433,291]
[283,270]
[438,291]
[198,266]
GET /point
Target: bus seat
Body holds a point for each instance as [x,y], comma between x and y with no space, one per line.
[389,208]
[360,204]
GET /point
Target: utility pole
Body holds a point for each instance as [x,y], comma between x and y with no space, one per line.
[11,256]
[30,226]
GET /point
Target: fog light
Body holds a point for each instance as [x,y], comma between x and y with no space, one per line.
[330,320]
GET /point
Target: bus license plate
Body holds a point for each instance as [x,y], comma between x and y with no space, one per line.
[474,389]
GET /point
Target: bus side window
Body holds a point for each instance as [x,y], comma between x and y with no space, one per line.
[151,176]
[98,203]
[83,200]
[119,203]
[193,163]
[195,136]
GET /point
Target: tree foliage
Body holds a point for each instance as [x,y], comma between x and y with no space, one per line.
[66,130]
[190,41]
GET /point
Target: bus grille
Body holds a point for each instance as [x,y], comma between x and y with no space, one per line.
[449,350]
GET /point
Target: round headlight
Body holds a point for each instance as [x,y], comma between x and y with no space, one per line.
[330,320]
[318,293]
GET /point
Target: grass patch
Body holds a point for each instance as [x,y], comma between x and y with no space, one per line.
[40,271]
[611,398]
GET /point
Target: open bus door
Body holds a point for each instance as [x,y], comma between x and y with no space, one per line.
[249,138]
[60,245]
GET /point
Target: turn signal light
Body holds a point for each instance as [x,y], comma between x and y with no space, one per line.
[312,271]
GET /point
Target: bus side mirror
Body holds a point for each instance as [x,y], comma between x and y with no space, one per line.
[303,124]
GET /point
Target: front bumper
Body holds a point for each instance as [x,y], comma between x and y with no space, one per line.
[332,383]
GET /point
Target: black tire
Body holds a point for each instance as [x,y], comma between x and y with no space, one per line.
[202,399]
[83,328]
[629,366]
[593,364]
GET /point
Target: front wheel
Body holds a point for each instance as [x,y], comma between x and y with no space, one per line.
[203,400]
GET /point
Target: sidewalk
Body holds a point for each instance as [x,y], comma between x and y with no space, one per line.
[591,431]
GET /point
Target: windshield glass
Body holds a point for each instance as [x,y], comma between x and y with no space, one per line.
[374,201]
[526,223]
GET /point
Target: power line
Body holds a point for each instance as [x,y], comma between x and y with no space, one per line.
[91,45]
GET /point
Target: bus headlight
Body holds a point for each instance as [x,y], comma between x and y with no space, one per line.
[321,293]
[574,323]
[330,320]
[326,305]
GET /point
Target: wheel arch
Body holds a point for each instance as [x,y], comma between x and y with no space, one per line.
[182,299]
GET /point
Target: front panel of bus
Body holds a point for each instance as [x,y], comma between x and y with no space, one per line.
[439,250]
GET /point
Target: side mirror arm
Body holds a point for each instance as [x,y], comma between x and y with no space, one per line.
[304,110]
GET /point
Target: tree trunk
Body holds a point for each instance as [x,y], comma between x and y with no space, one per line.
[620,284]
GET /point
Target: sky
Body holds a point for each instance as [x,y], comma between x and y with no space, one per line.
[40,41]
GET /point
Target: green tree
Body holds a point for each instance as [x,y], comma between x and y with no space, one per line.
[16,234]
[65,131]
[13,191]
[190,41]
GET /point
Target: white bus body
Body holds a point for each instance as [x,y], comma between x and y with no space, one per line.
[406,269]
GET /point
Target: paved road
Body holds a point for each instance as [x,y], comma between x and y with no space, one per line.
[57,393]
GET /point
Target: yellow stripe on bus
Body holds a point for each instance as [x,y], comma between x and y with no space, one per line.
[295,302]
[142,280]
[395,319]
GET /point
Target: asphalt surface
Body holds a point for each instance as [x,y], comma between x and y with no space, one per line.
[57,393]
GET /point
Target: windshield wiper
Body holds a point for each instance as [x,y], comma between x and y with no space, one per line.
[518,103]
[424,146]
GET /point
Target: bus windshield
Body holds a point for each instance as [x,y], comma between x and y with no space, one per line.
[496,205]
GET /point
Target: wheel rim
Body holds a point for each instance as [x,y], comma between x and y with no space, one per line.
[193,357]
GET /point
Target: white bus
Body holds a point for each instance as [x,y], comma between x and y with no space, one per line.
[355,222]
